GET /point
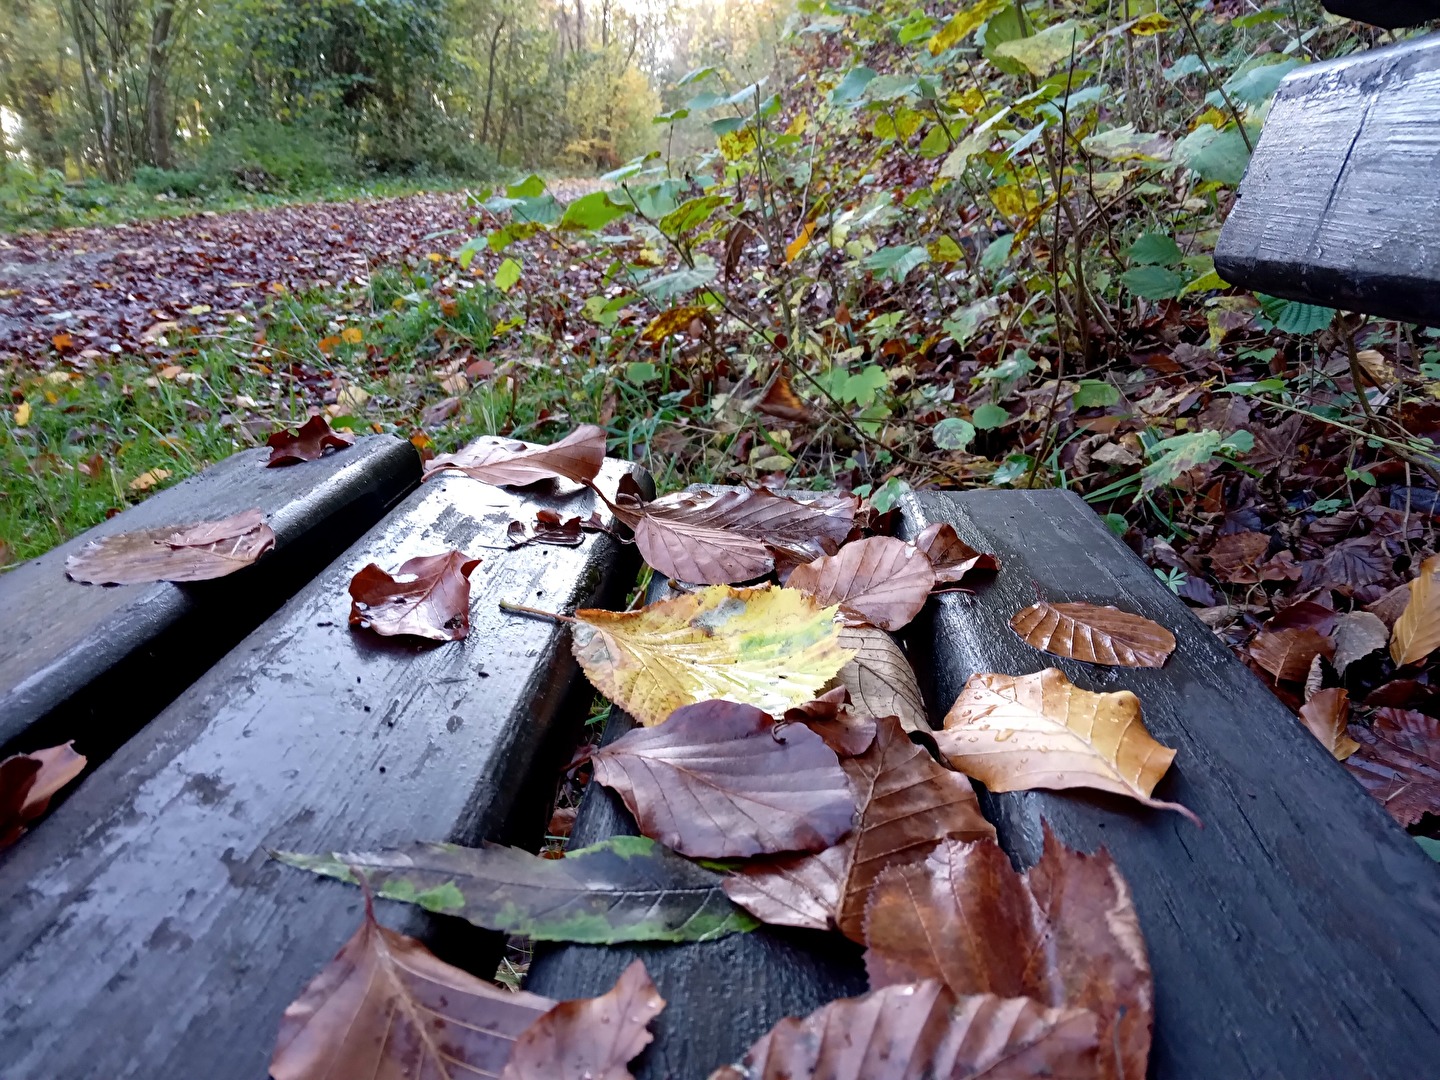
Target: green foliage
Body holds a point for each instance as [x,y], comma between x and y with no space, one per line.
[953,433]
[1293,317]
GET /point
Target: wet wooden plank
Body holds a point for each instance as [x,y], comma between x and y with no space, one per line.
[94,663]
[722,995]
[147,935]
[1298,933]
[1341,203]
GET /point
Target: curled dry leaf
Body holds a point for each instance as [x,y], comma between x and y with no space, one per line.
[920,1031]
[719,780]
[199,552]
[735,535]
[1017,732]
[627,888]
[493,460]
[549,527]
[1065,934]
[880,581]
[1099,635]
[592,1038]
[1399,762]
[307,444]
[880,680]
[907,801]
[388,1008]
[1357,635]
[27,784]
[780,401]
[1326,715]
[429,597]
[951,557]
[1417,631]
[1287,654]
[772,648]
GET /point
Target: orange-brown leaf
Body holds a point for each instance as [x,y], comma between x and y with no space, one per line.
[1417,631]
[1326,715]
[1099,635]
[27,784]
[200,552]
[781,402]
[880,581]
[386,1008]
[905,1032]
[952,558]
[718,780]
[907,802]
[493,460]
[307,444]
[1287,654]
[1017,732]
[592,1038]
[432,601]
[1065,934]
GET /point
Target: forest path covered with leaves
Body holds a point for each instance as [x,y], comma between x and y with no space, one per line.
[120,288]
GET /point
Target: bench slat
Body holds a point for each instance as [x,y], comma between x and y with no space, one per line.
[1341,203]
[1298,933]
[95,663]
[145,932]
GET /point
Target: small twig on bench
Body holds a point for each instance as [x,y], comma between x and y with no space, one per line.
[521,609]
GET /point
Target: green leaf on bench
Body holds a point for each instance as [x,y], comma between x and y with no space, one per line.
[628,888]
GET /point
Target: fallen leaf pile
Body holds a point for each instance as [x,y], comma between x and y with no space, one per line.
[775,717]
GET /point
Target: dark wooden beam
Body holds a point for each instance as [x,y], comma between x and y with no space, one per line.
[94,663]
[1341,203]
[146,934]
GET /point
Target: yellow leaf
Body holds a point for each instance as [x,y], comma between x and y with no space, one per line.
[1009,200]
[327,344]
[800,243]
[772,648]
[669,323]
[799,124]
[1150,25]
[199,309]
[1017,732]
[22,414]
[147,480]
[965,23]
[435,257]
[1417,631]
[351,398]
[352,335]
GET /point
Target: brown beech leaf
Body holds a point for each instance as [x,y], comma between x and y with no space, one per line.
[831,717]
[1399,762]
[429,597]
[920,1031]
[307,444]
[1326,715]
[719,780]
[592,1038]
[880,580]
[1417,631]
[27,784]
[386,1008]
[200,552]
[951,557]
[1017,732]
[1099,635]
[499,461]
[736,535]
[880,679]
[1236,557]
[1065,934]
[907,802]
[1286,654]
[781,402]
[1357,635]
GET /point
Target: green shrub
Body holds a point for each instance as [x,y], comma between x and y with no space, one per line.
[264,156]
[180,183]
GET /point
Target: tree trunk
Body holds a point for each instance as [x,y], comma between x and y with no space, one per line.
[158,128]
[490,81]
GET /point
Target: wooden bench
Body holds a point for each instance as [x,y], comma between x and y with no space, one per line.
[146,933]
